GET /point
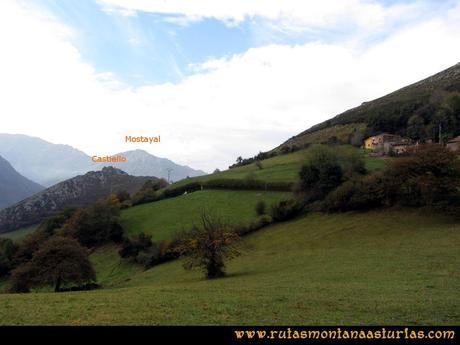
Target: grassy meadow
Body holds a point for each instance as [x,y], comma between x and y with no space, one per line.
[282,168]
[18,235]
[161,219]
[391,266]
[380,267]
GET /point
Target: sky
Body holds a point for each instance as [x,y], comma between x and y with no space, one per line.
[215,79]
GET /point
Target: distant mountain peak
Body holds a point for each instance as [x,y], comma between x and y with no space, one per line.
[113,171]
[142,163]
[77,191]
[49,164]
[13,186]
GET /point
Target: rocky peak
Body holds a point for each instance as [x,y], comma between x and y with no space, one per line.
[113,171]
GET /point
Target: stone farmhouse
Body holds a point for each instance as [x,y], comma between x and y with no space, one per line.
[386,143]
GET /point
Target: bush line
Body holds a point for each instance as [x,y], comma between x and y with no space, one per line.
[232,184]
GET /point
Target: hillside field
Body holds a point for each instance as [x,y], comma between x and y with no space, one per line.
[281,168]
[162,218]
[381,267]
[19,234]
[392,266]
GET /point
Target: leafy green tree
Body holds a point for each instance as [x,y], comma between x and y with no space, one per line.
[321,174]
[416,127]
[59,261]
[96,224]
[7,250]
[357,138]
[50,226]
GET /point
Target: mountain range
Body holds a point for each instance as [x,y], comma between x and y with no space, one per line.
[48,164]
[13,186]
[78,191]
[142,163]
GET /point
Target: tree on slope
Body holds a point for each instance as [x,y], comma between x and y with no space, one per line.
[208,247]
[59,261]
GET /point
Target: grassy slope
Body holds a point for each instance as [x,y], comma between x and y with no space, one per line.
[394,108]
[111,269]
[161,219]
[20,233]
[341,132]
[383,267]
[279,168]
[282,168]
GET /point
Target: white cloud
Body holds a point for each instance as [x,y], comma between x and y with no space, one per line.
[231,106]
[291,15]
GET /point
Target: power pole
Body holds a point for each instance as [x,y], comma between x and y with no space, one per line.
[440,132]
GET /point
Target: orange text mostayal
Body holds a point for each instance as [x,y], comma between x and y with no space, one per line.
[141,139]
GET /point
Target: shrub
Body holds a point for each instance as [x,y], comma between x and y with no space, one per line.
[122,196]
[148,192]
[359,194]
[285,210]
[371,192]
[132,247]
[261,208]
[260,222]
[167,250]
[149,257]
[173,192]
[240,161]
[248,183]
[264,220]
[339,199]
[127,250]
[53,223]
[428,176]
[126,204]
[351,162]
